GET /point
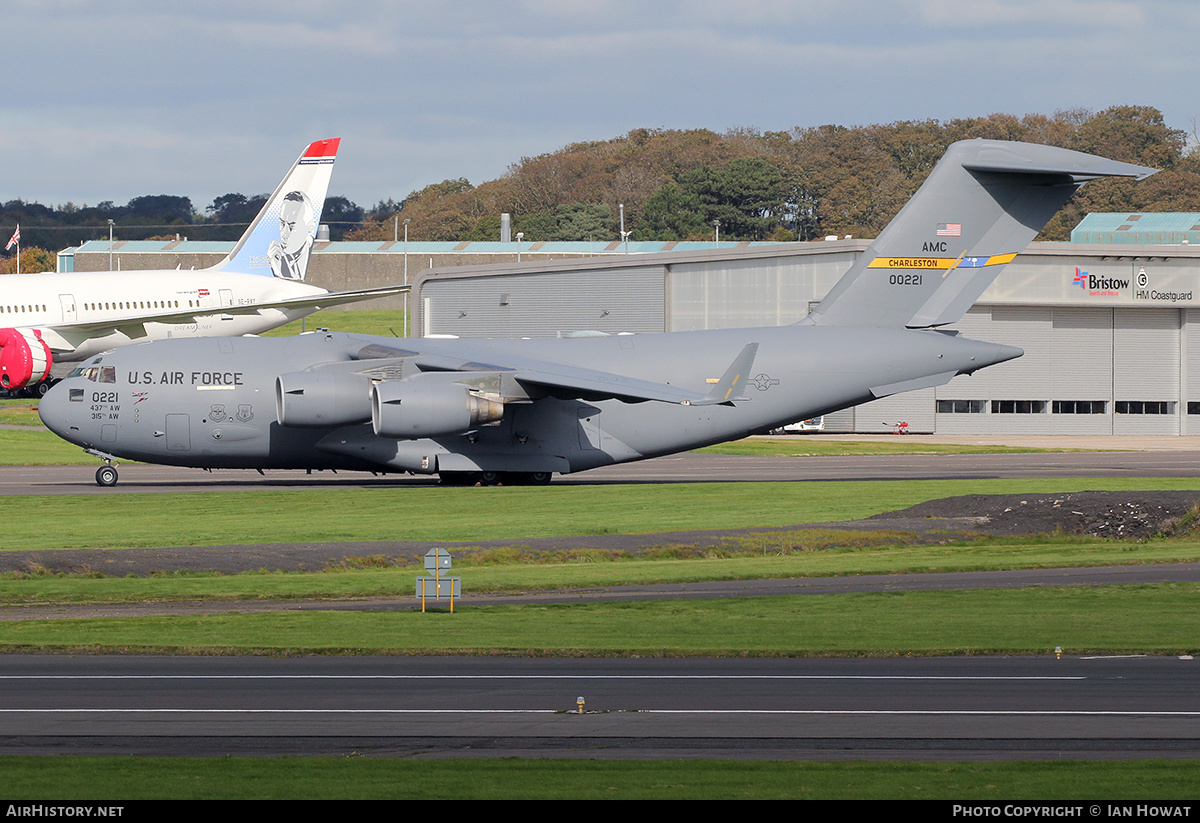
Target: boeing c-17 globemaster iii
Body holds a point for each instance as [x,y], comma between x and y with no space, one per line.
[517,411]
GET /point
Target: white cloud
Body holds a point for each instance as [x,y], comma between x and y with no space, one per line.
[134,97]
[1031,13]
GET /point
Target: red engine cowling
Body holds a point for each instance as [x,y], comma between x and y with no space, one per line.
[24,358]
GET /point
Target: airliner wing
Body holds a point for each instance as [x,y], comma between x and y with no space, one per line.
[321,301]
[134,326]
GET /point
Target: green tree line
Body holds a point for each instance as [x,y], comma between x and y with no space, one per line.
[802,184]
[156,217]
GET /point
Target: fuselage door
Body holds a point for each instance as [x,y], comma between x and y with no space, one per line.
[226,298]
[69,313]
[179,433]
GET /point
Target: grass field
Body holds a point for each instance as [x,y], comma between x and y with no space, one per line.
[434,513]
[1155,619]
[764,555]
[19,412]
[355,321]
[1159,619]
[1142,619]
[357,778]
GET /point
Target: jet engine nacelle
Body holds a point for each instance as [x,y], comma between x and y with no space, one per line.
[309,399]
[418,407]
[24,358]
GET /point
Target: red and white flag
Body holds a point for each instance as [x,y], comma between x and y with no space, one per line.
[949,230]
[15,239]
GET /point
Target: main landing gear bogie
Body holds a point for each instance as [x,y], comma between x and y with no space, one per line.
[492,478]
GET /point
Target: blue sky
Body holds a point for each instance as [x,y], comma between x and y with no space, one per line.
[114,100]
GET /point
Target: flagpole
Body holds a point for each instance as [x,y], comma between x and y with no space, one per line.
[16,239]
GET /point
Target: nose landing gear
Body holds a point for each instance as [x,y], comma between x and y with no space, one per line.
[106,475]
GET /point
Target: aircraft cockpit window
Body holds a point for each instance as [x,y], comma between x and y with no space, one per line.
[75,372]
[98,374]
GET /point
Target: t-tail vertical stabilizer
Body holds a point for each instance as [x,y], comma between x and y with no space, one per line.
[280,240]
[981,205]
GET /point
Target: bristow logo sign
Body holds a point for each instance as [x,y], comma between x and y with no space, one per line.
[1098,285]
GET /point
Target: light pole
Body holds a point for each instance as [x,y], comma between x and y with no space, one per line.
[110,242]
[717,233]
[407,220]
[624,234]
[520,234]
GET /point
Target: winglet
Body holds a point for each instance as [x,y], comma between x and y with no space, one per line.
[279,241]
[733,379]
[980,206]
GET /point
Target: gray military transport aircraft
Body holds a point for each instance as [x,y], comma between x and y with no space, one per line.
[516,411]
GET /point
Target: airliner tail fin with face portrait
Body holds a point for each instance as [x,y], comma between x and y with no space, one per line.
[279,241]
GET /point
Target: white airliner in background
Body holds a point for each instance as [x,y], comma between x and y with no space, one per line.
[64,317]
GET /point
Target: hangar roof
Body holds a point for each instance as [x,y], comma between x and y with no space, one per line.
[1138,228]
[426,247]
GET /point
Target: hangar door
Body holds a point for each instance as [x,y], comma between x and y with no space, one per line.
[1146,375]
[1085,371]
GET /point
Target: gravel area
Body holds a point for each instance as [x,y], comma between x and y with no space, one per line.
[1121,515]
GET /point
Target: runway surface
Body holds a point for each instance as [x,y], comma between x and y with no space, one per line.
[681,468]
[940,708]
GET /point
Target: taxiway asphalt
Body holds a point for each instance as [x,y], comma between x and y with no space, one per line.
[933,708]
[682,468]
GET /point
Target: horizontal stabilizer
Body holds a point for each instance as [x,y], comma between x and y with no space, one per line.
[980,206]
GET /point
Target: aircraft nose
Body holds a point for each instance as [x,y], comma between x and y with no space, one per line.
[56,411]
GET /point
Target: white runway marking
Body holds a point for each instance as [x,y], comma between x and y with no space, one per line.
[823,712]
[949,678]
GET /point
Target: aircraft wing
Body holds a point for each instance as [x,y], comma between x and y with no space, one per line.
[333,298]
[539,377]
[134,326]
[590,383]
